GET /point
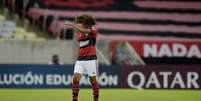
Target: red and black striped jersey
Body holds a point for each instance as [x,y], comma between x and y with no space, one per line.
[87,42]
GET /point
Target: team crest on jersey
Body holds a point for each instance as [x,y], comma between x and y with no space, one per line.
[87,34]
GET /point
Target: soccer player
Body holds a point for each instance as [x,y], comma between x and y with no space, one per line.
[87,60]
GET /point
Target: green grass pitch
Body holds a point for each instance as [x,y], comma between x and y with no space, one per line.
[105,95]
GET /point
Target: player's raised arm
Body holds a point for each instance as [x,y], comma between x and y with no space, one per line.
[78,27]
[83,23]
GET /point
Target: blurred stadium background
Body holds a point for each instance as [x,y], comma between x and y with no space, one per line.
[148,50]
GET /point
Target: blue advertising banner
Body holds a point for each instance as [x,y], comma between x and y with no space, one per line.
[137,77]
[51,76]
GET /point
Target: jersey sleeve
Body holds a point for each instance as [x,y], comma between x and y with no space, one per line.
[94,31]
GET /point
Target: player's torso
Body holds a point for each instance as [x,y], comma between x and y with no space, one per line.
[87,48]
